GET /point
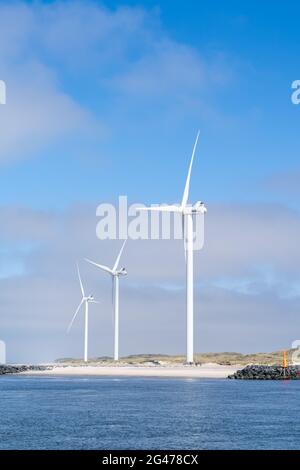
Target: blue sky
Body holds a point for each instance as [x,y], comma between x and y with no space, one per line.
[248,57]
[105,99]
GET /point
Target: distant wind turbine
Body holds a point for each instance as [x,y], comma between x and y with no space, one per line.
[85,300]
[115,273]
[187,213]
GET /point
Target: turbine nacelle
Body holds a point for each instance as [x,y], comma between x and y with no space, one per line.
[121,272]
[198,208]
[89,298]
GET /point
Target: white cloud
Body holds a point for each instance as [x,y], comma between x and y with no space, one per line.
[37,303]
[38,113]
[123,55]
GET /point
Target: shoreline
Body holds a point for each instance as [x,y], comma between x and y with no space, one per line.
[213,371]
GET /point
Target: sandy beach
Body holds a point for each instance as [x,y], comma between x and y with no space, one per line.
[204,371]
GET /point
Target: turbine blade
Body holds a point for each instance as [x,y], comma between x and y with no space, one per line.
[80,281]
[119,256]
[171,208]
[187,184]
[94,301]
[74,316]
[101,266]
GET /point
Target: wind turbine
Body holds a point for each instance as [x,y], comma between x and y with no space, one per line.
[187,213]
[115,273]
[85,300]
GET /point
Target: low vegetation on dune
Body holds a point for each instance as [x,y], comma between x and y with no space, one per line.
[222,358]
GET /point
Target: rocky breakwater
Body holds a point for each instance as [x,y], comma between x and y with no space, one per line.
[16,369]
[267,373]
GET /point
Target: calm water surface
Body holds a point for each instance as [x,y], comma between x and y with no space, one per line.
[135,413]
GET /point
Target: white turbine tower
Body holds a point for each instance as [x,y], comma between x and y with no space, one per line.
[85,300]
[115,273]
[187,213]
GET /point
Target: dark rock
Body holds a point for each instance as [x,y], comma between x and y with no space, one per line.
[256,372]
[16,369]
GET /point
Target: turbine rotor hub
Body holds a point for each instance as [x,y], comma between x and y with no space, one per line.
[121,272]
[198,208]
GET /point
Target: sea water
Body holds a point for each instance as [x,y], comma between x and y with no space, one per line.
[146,413]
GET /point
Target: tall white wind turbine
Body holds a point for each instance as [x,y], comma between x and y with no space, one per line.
[115,273]
[85,300]
[187,213]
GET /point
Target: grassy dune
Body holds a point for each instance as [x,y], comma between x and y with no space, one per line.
[223,358]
